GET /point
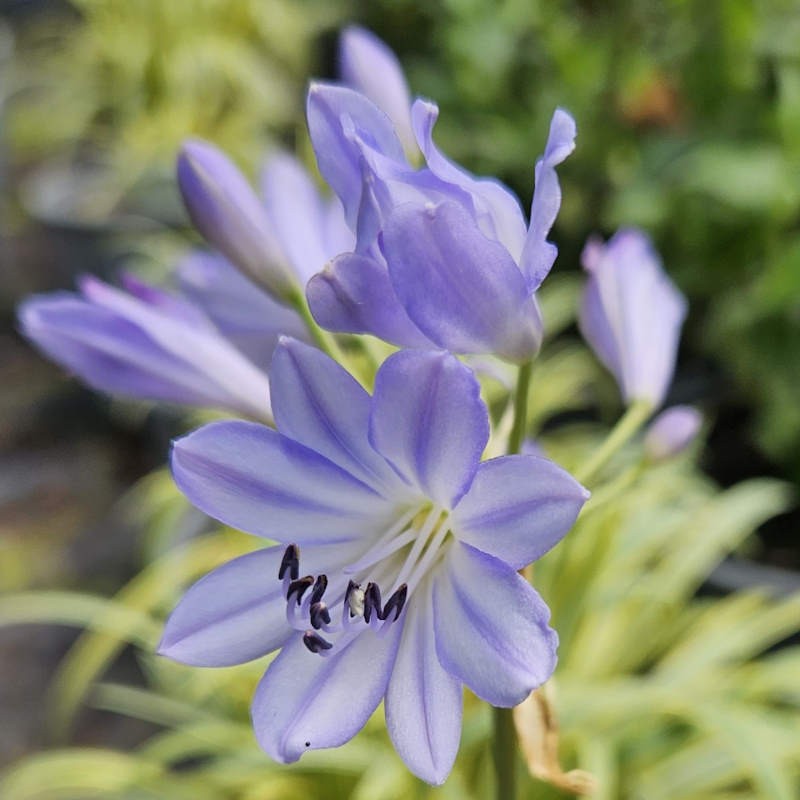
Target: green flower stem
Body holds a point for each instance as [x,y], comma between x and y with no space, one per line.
[517,435]
[628,425]
[324,341]
[504,740]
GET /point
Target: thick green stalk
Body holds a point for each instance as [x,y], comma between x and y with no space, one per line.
[504,740]
[629,423]
[322,340]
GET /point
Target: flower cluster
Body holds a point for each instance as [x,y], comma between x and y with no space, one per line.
[395,573]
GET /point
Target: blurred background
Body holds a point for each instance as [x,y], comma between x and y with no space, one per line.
[689,126]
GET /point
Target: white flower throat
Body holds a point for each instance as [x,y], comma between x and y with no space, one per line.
[400,558]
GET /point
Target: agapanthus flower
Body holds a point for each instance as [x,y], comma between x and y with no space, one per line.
[631,314]
[395,577]
[210,344]
[442,258]
[146,344]
[671,432]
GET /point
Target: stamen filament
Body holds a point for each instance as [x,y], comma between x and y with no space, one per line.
[378,550]
[422,537]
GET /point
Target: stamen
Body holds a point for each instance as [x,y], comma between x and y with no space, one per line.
[372,601]
[299,587]
[354,599]
[434,515]
[320,586]
[315,643]
[290,562]
[395,603]
[319,615]
[379,550]
[427,560]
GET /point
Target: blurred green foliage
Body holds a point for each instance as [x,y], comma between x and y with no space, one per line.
[120,83]
[689,125]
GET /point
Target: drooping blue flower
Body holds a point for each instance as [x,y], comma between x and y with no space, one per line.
[395,577]
[211,344]
[631,314]
[442,258]
[146,344]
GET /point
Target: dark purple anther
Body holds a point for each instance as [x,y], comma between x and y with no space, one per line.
[395,603]
[319,615]
[315,643]
[291,562]
[372,601]
[299,587]
[320,586]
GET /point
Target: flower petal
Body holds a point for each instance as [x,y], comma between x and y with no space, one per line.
[496,209]
[518,507]
[491,627]
[238,611]
[320,405]
[353,294]
[252,478]
[139,352]
[337,117]
[429,422]
[369,66]
[298,215]
[423,701]
[243,312]
[306,702]
[461,289]
[227,212]
[631,314]
[538,254]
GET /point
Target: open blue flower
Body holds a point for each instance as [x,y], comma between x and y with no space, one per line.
[396,573]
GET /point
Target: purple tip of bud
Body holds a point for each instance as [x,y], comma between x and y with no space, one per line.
[672,432]
[227,212]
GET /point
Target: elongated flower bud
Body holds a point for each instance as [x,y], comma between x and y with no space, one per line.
[227,212]
[631,314]
[672,432]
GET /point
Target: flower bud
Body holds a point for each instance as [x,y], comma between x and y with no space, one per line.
[227,212]
[672,432]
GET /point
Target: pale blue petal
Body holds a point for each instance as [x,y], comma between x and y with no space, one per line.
[319,404]
[238,612]
[538,254]
[491,627]
[429,421]
[298,215]
[306,702]
[461,289]
[252,478]
[631,314]
[496,209]
[353,294]
[243,313]
[423,701]
[224,208]
[518,507]
[338,120]
[369,66]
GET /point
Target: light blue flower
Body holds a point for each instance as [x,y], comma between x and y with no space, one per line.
[631,314]
[395,577]
[442,258]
